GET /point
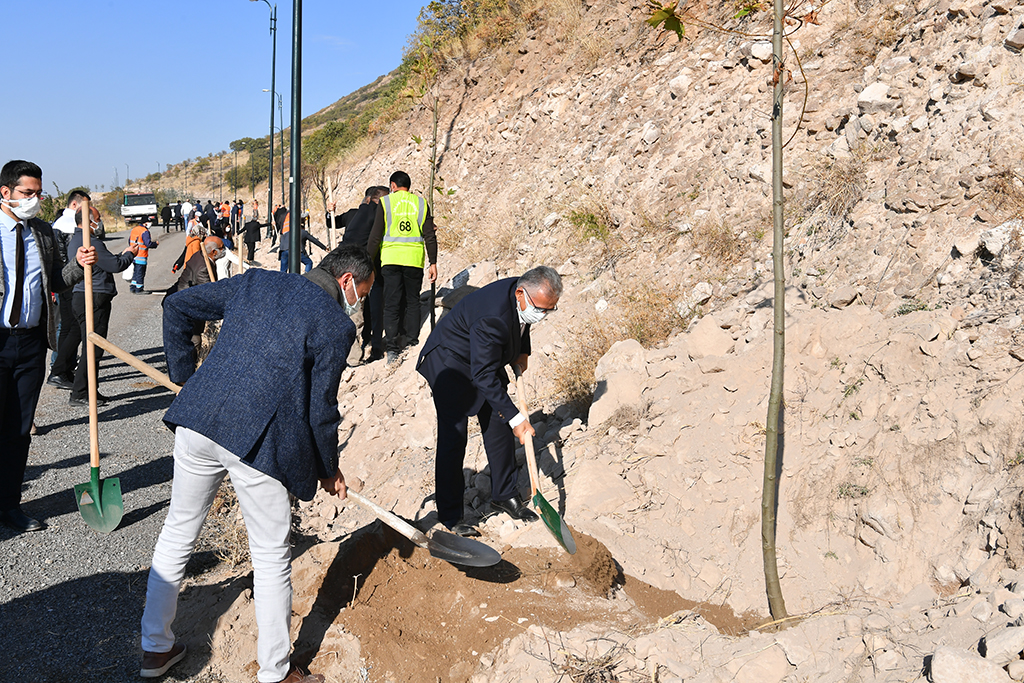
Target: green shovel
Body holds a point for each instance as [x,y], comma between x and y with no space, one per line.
[99,500]
[552,520]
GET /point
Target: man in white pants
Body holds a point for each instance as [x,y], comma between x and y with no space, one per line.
[278,436]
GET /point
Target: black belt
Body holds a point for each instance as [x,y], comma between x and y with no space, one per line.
[20,331]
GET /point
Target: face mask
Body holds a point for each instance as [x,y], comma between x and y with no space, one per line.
[532,315]
[350,309]
[26,208]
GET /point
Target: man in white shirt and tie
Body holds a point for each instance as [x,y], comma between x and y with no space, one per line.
[32,270]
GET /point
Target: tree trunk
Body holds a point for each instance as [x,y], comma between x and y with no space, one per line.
[770,490]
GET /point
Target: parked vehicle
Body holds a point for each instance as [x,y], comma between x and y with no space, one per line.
[139,207]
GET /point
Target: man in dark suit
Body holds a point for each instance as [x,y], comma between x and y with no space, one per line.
[31,270]
[277,435]
[464,362]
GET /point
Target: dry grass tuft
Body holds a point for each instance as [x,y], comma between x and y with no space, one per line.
[716,242]
[596,670]
[1006,192]
[840,184]
[574,373]
[651,316]
[224,531]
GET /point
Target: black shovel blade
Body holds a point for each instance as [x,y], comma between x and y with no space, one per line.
[460,550]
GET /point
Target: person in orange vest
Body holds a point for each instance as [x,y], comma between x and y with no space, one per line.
[141,237]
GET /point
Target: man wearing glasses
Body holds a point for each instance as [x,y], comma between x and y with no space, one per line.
[464,361]
[32,270]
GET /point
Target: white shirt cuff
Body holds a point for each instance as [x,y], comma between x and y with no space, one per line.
[517,420]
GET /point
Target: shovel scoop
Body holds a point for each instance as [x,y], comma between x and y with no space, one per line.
[443,546]
[552,520]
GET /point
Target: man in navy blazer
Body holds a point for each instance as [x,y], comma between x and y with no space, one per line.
[263,409]
[464,361]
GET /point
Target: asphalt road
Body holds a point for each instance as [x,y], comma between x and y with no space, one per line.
[71,598]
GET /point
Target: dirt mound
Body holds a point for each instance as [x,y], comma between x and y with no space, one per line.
[410,616]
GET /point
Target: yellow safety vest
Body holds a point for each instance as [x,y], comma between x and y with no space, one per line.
[404,215]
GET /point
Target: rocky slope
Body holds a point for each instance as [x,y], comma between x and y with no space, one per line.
[640,167]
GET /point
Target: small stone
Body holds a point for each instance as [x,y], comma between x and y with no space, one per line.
[982,612]
[1016,41]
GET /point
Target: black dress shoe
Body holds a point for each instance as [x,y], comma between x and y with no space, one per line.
[60,382]
[101,400]
[19,521]
[460,528]
[515,508]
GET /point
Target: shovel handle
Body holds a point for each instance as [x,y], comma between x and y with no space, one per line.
[140,365]
[391,519]
[90,350]
[531,455]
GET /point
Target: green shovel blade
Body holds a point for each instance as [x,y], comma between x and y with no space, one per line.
[553,521]
[99,501]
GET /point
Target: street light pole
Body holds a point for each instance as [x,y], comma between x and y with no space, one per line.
[273,84]
[295,234]
[281,128]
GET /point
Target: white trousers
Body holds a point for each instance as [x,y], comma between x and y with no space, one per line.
[199,467]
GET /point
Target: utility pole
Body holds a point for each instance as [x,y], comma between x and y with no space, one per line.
[295,234]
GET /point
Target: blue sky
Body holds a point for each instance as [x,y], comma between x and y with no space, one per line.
[91,87]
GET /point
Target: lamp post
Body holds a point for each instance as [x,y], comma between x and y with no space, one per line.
[273,77]
[127,176]
[295,234]
[280,129]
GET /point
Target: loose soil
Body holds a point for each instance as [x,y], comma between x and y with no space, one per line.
[420,618]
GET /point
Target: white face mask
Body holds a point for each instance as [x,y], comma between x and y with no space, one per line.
[532,315]
[25,209]
[350,309]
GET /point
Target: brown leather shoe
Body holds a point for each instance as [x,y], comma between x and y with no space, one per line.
[297,675]
[156,664]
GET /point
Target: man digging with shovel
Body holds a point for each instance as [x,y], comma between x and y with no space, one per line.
[281,349]
[463,361]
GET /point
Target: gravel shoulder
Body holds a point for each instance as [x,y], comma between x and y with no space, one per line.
[71,598]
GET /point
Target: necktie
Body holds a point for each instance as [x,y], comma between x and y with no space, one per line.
[19,285]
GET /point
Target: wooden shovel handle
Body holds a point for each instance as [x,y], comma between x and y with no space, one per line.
[531,456]
[140,365]
[90,350]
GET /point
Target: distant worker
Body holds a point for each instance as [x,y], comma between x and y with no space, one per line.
[179,219]
[255,209]
[402,235]
[357,233]
[341,220]
[279,438]
[463,361]
[197,273]
[165,216]
[141,237]
[186,214]
[236,215]
[252,237]
[280,211]
[103,293]
[303,238]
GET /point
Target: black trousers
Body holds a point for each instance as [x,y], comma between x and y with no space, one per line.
[68,340]
[101,305]
[22,370]
[454,396]
[401,306]
[251,246]
[373,317]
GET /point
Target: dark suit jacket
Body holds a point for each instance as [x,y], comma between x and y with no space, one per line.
[268,391]
[357,229]
[477,339]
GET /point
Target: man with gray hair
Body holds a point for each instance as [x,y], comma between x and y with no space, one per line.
[464,361]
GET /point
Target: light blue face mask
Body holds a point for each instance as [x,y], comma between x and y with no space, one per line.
[350,309]
[531,315]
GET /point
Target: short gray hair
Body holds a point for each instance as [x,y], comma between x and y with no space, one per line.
[541,277]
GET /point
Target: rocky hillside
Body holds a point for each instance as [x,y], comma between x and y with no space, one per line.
[639,166]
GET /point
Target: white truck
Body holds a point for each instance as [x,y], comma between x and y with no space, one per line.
[139,207]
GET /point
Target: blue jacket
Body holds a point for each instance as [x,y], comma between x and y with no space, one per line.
[477,339]
[268,391]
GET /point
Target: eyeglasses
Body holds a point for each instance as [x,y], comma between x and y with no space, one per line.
[546,310]
[29,193]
